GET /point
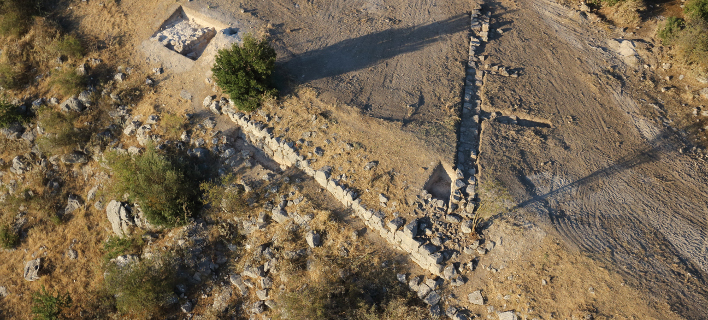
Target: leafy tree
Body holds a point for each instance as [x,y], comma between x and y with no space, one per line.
[244,72]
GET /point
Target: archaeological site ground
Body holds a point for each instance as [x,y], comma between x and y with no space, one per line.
[409,159]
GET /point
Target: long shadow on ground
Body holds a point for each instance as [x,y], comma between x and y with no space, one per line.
[368,50]
[627,239]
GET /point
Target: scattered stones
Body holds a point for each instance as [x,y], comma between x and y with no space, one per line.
[20,165]
[221,299]
[186,307]
[72,254]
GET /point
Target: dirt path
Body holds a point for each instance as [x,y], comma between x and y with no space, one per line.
[605,177]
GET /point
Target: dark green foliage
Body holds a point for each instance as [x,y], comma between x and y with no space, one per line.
[9,114]
[245,72]
[671,29]
[696,10]
[8,237]
[165,192]
[143,288]
[46,306]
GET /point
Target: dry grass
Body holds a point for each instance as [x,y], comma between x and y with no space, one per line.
[627,13]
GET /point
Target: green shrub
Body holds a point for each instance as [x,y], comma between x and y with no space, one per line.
[696,10]
[165,193]
[69,81]
[8,237]
[143,288]
[9,114]
[671,29]
[46,306]
[15,17]
[245,72]
[172,125]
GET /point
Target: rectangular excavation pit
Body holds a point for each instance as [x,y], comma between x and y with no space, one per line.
[187,33]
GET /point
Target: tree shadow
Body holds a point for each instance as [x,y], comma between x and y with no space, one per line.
[368,50]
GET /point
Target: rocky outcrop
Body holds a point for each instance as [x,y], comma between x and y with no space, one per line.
[32,269]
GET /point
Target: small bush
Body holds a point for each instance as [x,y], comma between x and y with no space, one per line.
[671,29]
[142,289]
[8,237]
[692,46]
[46,306]
[495,199]
[69,81]
[118,246]
[69,46]
[165,193]
[15,17]
[696,10]
[9,114]
[10,75]
[172,125]
[62,135]
[627,12]
[245,72]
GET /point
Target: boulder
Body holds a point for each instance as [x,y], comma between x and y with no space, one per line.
[72,204]
[508,315]
[72,104]
[74,157]
[432,299]
[32,268]
[120,217]
[476,298]
[313,239]
[120,77]
[221,299]
[13,131]
[125,260]
[20,165]
[3,292]
[72,254]
[625,48]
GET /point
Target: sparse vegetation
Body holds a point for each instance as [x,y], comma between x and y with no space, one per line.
[627,12]
[143,289]
[8,237]
[225,195]
[63,136]
[495,199]
[160,185]
[172,125]
[245,72]
[689,37]
[69,81]
[46,306]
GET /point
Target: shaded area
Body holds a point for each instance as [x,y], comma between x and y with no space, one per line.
[439,184]
[634,241]
[368,50]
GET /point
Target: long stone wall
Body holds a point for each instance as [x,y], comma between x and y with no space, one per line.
[397,232]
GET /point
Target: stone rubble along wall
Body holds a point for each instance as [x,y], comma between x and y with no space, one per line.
[284,153]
